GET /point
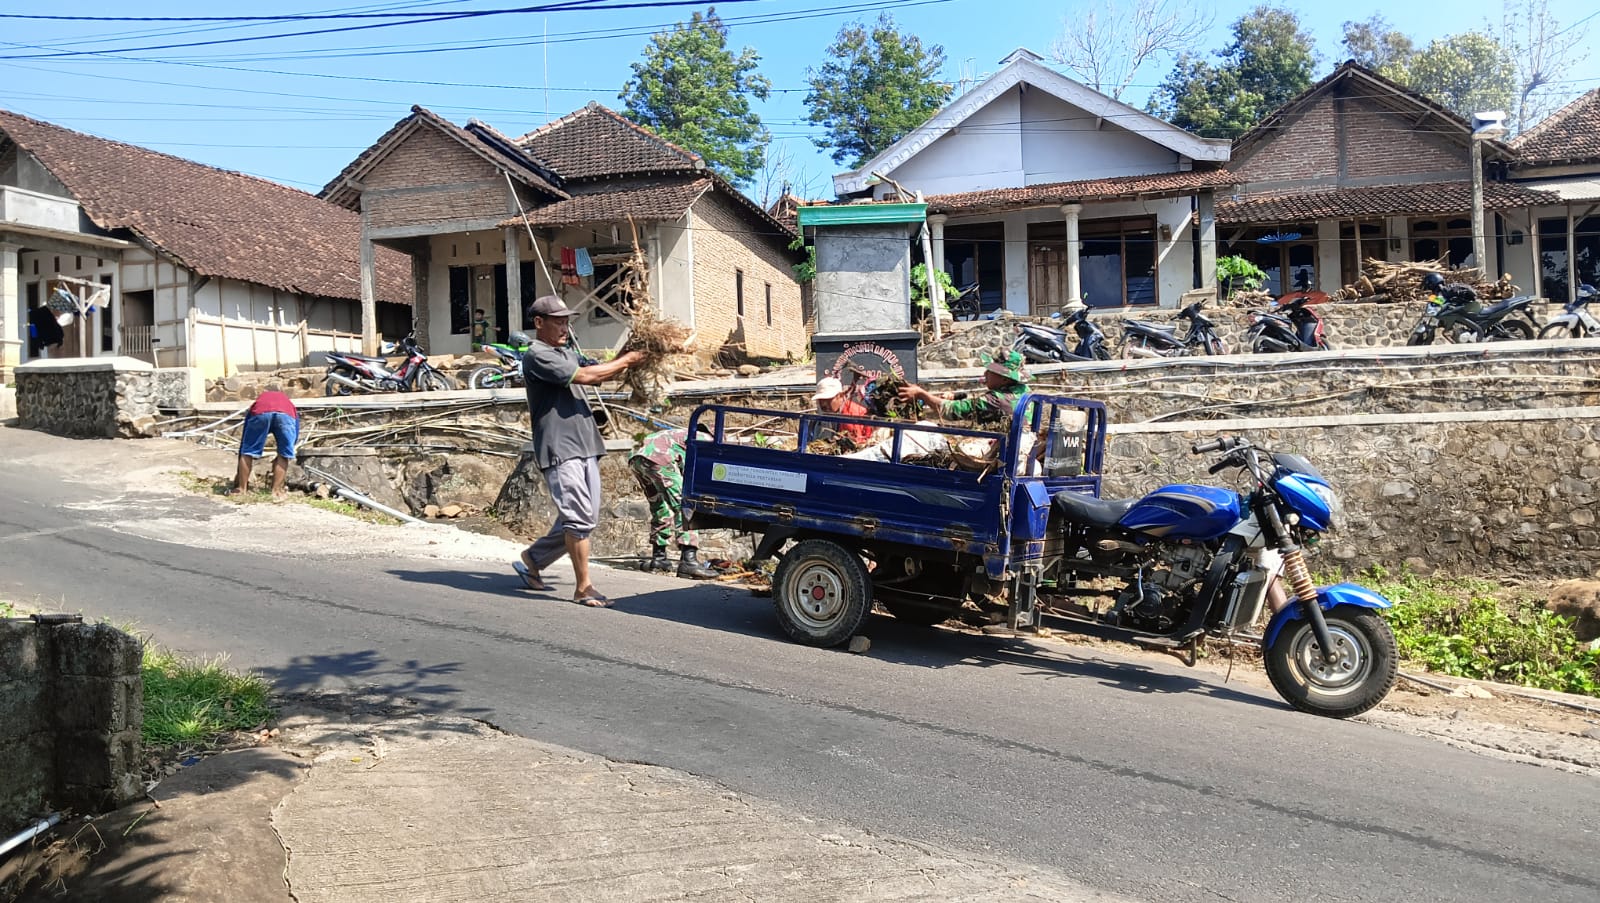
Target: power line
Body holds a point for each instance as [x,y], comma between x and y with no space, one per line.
[281,17]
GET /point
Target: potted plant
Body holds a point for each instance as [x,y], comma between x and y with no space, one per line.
[1235,274]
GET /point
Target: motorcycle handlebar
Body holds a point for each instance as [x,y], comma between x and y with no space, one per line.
[1201,448]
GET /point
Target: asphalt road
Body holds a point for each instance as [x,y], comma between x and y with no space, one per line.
[1133,777]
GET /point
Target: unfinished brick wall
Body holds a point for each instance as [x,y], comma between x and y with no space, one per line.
[728,240]
[1378,142]
[1307,147]
[71,711]
[431,178]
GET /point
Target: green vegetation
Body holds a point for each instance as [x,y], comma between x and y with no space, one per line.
[1478,629]
[919,287]
[7,609]
[193,701]
[1237,274]
[219,486]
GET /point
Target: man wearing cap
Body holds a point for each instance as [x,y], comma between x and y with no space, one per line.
[831,399]
[566,446]
[1004,381]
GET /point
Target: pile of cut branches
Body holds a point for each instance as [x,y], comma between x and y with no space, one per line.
[1401,283]
[885,397]
[668,345]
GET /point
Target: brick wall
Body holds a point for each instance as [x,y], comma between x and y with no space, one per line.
[1382,143]
[463,184]
[727,240]
[1306,148]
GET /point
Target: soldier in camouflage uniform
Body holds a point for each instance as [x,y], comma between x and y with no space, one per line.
[1005,382]
[658,466]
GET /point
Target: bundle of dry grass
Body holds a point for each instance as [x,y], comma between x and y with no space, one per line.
[952,458]
[885,397]
[1254,298]
[668,345]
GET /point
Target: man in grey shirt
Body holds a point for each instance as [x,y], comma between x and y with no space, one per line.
[566,446]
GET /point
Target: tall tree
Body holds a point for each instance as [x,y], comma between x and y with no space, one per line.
[1468,73]
[1107,45]
[692,90]
[1373,44]
[1269,60]
[1540,50]
[877,85]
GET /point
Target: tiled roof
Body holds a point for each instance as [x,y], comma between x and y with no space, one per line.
[1117,188]
[613,202]
[1569,135]
[1376,200]
[214,222]
[596,142]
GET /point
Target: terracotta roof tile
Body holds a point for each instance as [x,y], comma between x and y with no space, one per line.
[1116,188]
[612,202]
[1569,135]
[215,222]
[1376,200]
[596,142]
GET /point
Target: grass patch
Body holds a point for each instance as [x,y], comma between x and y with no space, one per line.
[1474,628]
[7,610]
[219,487]
[340,506]
[192,701]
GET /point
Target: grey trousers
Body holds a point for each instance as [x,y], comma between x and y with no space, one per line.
[575,488]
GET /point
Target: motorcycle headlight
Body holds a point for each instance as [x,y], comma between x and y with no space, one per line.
[1331,499]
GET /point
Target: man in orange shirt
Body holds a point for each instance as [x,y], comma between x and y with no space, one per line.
[831,399]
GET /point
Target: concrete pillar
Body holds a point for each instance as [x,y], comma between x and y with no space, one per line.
[1016,263]
[1399,249]
[1074,270]
[1328,262]
[369,294]
[513,279]
[936,223]
[1206,230]
[13,319]
[421,313]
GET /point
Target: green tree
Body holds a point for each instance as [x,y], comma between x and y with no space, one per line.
[1467,73]
[692,90]
[1373,44]
[1269,60]
[877,85]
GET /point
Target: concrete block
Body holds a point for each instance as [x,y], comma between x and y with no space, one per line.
[8,402]
[20,652]
[22,707]
[179,388]
[90,703]
[99,650]
[25,781]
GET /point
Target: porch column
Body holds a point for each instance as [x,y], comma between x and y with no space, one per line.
[1535,266]
[936,228]
[369,293]
[1328,262]
[421,313]
[13,325]
[513,280]
[1074,279]
[1016,263]
[1399,250]
[1572,255]
[1206,235]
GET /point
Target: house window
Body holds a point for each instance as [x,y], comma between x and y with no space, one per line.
[602,272]
[1117,262]
[108,337]
[738,292]
[974,256]
[1432,239]
[769,303]
[1282,252]
[1554,278]
[460,300]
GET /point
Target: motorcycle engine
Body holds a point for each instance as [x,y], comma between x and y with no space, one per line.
[1161,598]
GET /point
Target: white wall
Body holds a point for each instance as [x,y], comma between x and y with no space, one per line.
[985,151]
[672,275]
[1061,143]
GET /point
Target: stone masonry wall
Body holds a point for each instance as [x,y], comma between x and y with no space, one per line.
[87,397]
[71,709]
[1496,492]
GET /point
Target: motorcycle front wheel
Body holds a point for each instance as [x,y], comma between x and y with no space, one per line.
[434,381]
[1360,676]
[1560,331]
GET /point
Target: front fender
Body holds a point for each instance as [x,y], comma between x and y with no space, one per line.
[1328,597]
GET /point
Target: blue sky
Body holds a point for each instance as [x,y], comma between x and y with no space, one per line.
[298,109]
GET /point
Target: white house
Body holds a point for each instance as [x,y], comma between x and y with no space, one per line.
[1041,190]
[1560,156]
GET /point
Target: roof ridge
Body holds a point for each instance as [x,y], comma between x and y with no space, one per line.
[596,108]
[142,149]
[1554,119]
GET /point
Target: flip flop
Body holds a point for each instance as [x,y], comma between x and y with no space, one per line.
[530,579]
[595,599]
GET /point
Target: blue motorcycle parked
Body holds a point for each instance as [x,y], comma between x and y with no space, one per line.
[1187,561]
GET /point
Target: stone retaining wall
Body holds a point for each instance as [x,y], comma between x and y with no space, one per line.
[71,710]
[103,397]
[1504,492]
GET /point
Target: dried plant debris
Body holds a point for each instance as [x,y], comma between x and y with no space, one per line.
[1401,283]
[884,399]
[667,344]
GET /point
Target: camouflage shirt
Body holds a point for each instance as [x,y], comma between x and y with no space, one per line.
[993,406]
[663,449]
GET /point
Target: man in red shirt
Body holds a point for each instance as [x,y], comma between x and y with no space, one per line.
[831,398]
[273,413]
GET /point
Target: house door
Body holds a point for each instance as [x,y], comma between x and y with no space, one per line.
[1047,278]
[138,325]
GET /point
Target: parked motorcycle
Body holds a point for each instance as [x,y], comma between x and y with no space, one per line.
[1456,314]
[1186,561]
[1140,339]
[349,373]
[1291,326]
[1044,345]
[506,371]
[1575,321]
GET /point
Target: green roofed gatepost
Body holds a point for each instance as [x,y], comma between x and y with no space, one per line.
[862,289]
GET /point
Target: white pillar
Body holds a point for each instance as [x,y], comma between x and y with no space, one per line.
[1074,271]
[513,321]
[1016,263]
[1328,262]
[13,319]
[1479,253]
[369,295]
[936,226]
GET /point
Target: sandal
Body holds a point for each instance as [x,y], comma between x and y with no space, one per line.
[594,599]
[531,579]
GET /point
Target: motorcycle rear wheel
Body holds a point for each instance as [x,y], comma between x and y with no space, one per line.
[486,378]
[329,387]
[1359,679]
[1509,331]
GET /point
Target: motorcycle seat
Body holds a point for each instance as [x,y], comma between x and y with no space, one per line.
[363,357]
[1086,509]
[1504,307]
[1150,328]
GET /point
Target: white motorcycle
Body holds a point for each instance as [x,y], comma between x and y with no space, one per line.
[1575,321]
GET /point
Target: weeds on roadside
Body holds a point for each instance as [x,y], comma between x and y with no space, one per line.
[192,701]
[214,486]
[1474,628]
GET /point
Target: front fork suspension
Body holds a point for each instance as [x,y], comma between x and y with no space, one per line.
[1298,576]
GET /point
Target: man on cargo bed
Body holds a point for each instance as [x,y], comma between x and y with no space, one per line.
[1004,381]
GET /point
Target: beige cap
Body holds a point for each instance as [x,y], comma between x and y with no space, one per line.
[828,387]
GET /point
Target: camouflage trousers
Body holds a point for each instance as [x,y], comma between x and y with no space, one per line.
[663,491]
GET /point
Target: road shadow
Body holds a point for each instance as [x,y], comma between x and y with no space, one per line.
[735,610]
[367,682]
[501,581]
